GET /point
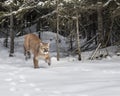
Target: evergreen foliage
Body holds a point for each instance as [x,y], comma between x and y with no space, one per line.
[43,13]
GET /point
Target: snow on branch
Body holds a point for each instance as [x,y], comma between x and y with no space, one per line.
[49,14]
[8,2]
[117,3]
[108,2]
[116,12]
[20,10]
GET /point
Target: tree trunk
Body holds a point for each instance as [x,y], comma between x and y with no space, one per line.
[100,23]
[11,35]
[71,34]
[78,38]
[6,40]
[110,32]
[71,42]
[57,37]
[39,28]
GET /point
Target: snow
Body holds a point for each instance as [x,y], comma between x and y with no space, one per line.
[69,1]
[107,3]
[67,77]
[8,2]
[41,3]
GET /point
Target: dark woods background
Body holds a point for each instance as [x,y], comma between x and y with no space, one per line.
[95,21]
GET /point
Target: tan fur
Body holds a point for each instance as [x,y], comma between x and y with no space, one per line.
[32,44]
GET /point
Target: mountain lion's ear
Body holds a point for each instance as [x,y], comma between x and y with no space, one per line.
[48,44]
[41,44]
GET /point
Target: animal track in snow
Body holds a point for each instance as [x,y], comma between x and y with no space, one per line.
[1,67]
[111,71]
[56,92]
[8,79]
[22,78]
[38,89]
[12,89]
[13,83]
[32,85]
[13,73]
[26,94]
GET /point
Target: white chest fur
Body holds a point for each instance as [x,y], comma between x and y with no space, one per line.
[42,56]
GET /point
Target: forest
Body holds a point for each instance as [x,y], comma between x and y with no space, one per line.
[97,22]
[77,43]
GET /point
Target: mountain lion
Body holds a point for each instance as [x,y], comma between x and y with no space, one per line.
[32,44]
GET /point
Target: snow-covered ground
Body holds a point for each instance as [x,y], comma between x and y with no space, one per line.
[67,77]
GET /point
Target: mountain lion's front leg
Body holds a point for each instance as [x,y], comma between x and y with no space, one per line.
[35,61]
[48,60]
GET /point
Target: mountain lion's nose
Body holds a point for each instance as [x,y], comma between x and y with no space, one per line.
[45,50]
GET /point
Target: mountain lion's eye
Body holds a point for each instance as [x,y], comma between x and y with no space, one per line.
[45,50]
